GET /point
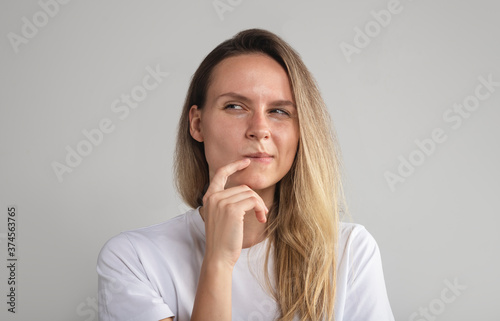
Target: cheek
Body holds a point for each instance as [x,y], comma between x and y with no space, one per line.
[223,134]
[287,140]
[220,143]
[216,127]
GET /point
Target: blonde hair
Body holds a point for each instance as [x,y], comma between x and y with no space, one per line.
[303,222]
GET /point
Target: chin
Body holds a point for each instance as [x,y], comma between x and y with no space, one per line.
[258,187]
[255,182]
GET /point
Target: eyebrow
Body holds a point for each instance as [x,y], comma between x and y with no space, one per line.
[247,100]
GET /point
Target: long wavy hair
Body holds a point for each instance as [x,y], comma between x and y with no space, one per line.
[303,221]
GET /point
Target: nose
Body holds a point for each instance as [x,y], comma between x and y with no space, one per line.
[258,127]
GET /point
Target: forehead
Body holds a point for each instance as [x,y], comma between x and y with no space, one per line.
[249,74]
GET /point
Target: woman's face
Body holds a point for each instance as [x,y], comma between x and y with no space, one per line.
[249,113]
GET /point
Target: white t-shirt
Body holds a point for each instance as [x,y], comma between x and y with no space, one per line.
[152,273]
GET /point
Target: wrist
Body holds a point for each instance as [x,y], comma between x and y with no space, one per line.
[213,264]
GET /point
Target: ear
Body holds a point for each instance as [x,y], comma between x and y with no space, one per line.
[195,123]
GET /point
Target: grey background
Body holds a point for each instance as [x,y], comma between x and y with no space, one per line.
[440,224]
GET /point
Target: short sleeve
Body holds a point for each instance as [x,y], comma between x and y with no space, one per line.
[124,290]
[366,292]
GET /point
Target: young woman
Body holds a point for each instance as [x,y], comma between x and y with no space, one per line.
[257,161]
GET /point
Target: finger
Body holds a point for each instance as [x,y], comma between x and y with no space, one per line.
[261,215]
[252,203]
[260,207]
[221,175]
[215,197]
[244,192]
[233,194]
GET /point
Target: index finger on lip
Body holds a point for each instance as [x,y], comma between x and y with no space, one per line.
[221,175]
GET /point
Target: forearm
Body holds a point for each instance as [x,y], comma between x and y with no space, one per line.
[213,295]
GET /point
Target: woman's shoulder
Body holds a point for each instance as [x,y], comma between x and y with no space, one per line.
[351,231]
[360,276]
[355,240]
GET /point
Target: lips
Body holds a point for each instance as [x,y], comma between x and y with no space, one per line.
[260,157]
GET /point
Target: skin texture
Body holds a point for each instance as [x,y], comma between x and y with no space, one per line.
[249,128]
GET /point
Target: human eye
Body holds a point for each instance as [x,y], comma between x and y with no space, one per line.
[280,111]
[233,107]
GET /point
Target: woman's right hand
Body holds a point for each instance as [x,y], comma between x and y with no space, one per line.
[224,210]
